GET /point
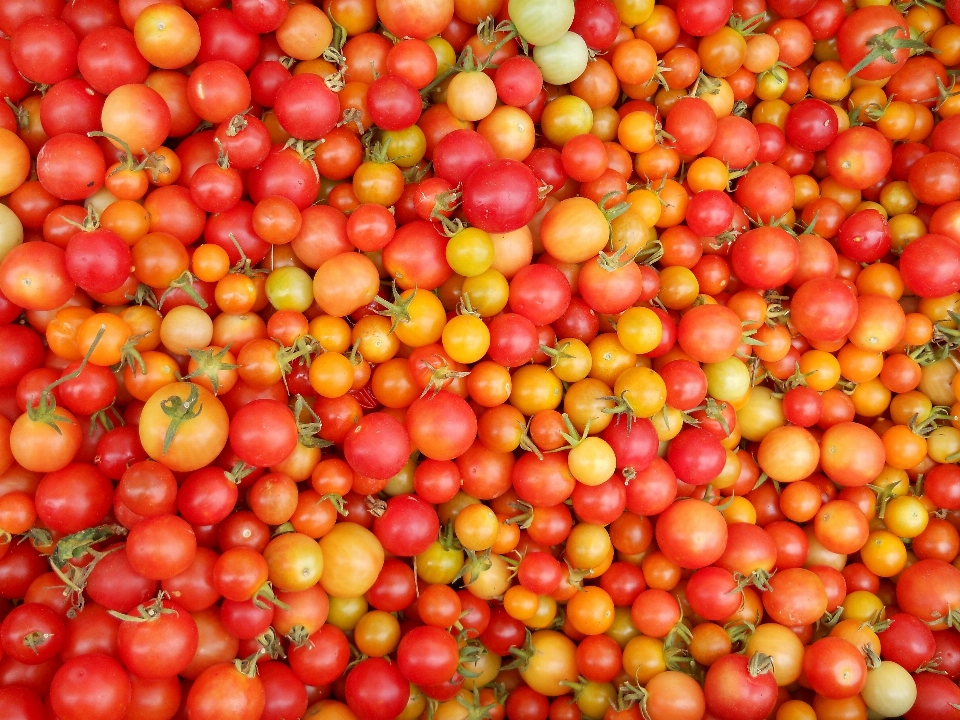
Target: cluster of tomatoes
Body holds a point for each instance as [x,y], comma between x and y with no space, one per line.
[464,359]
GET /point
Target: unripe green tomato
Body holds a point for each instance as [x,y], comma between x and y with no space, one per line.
[541,22]
[563,60]
[289,288]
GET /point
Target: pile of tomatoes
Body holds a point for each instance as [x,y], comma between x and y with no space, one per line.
[464,359]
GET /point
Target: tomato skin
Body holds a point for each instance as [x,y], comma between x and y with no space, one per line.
[501,196]
[835,668]
[766,191]
[59,165]
[635,443]
[824,310]
[161,647]
[653,489]
[929,266]
[858,28]
[859,157]
[427,656]
[926,588]
[200,437]
[694,125]
[416,20]
[115,585]
[224,688]
[441,426]
[713,594]
[323,661]
[416,256]
[44,49]
[35,277]
[393,102]
[353,558]
[798,596]
[407,527]
[459,153]
[99,261]
[41,448]
[540,293]
[864,236]
[696,456]
[811,125]
[22,350]
[31,618]
[71,696]
[145,128]
[935,696]
[871,285]
[907,642]
[554,661]
[543,483]
[513,340]
[709,333]
[22,703]
[941,486]
[732,691]
[851,454]
[306,107]
[691,550]
[765,257]
[161,547]
[376,689]
[263,433]
[378,446]
[73,498]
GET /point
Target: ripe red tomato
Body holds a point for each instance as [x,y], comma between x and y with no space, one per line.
[70,693]
[736,686]
[688,549]
[376,689]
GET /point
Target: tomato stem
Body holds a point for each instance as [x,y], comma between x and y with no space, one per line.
[335,499]
[90,223]
[526,442]
[21,114]
[830,619]
[147,612]
[760,664]
[740,631]
[375,506]
[884,45]
[621,406]
[474,707]
[184,282]
[73,547]
[307,431]
[476,564]
[524,516]
[129,160]
[470,653]
[33,639]
[103,417]
[571,435]
[179,411]
[248,666]
[748,27]
[299,636]
[270,644]
[238,123]
[45,409]
[264,595]
[629,695]
[522,655]
[210,364]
